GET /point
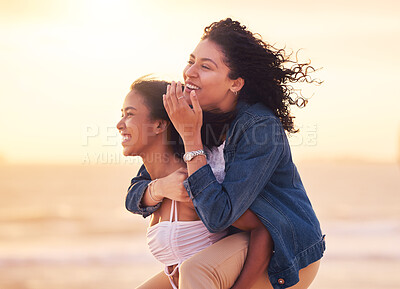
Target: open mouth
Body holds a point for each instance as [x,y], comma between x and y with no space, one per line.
[125,138]
[190,86]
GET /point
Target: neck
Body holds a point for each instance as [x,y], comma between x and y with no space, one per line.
[161,162]
[229,104]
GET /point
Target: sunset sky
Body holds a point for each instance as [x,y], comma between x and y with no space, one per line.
[66,66]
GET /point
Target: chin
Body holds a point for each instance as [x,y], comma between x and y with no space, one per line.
[127,153]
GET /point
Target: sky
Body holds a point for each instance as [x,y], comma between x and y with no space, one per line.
[66,66]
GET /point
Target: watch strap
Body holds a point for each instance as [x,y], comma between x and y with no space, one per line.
[187,157]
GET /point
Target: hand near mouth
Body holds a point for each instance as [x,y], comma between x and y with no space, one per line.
[186,120]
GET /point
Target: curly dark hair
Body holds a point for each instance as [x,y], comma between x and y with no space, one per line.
[262,67]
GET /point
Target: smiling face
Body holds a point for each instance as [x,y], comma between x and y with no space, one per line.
[207,74]
[136,126]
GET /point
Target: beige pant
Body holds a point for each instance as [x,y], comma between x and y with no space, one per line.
[218,266]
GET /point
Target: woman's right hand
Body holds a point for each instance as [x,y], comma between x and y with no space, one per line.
[171,186]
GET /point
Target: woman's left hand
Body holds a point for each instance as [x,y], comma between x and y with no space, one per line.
[186,120]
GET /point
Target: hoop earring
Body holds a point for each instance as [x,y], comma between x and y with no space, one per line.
[235,93]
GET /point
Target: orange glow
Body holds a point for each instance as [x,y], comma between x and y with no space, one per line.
[66,66]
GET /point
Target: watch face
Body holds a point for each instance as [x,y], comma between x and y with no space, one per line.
[188,156]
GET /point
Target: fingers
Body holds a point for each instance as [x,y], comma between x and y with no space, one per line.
[172,96]
[166,104]
[169,99]
[169,106]
[179,94]
[195,102]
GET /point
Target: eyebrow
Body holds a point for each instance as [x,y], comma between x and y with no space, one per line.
[205,59]
[126,108]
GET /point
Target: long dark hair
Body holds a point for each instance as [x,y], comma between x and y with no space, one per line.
[152,91]
[262,68]
[215,127]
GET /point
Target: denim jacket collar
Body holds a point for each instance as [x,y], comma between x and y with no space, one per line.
[240,108]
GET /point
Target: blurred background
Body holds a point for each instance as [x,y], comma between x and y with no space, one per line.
[65,68]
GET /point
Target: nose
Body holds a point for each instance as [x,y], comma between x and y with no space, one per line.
[191,71]
[121,124]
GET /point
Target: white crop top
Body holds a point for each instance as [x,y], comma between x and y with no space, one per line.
[172,242]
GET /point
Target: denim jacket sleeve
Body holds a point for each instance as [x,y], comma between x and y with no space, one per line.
[254,156]
[135,194]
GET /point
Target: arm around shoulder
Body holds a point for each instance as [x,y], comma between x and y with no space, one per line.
[136,192]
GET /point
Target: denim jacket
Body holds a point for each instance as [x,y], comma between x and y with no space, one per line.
[260,175]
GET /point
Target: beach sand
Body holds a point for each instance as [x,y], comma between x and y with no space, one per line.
[66,226]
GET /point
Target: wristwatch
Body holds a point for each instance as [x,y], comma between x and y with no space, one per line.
[187,157]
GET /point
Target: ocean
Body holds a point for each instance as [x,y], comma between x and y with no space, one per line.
[66,226]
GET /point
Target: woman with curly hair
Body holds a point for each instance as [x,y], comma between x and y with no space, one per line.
[232,71]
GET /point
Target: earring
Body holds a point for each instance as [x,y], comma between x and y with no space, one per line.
[235,93]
